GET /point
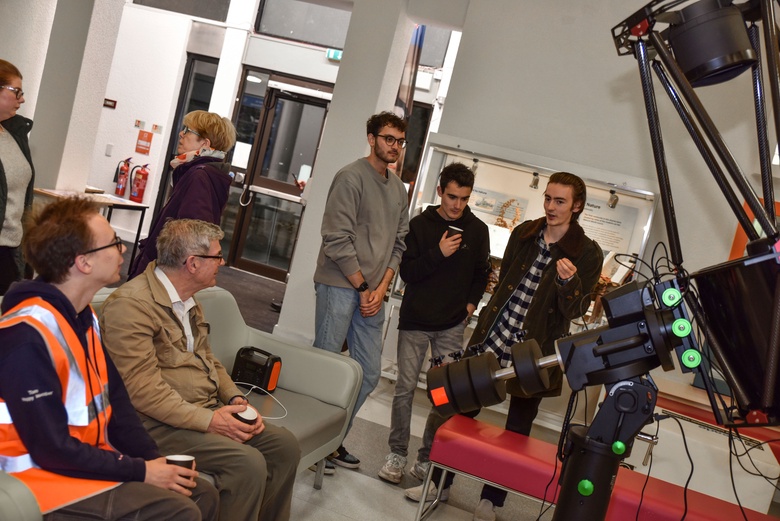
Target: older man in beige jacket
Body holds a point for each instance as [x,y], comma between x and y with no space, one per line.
[157,336]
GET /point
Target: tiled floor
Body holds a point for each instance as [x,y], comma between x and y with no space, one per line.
[349,495]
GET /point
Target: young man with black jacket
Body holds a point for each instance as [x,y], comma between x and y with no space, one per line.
[445,268]
[548,272]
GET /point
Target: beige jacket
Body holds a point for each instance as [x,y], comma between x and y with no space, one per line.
[147,344]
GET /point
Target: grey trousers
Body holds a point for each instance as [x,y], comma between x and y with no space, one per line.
[255,479]
[136,501]
[412,346]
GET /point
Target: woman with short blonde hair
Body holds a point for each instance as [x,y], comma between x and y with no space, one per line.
[201,179]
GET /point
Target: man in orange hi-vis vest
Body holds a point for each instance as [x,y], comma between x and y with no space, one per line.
[67,428]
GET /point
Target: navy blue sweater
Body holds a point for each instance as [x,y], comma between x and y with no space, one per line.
[42,423]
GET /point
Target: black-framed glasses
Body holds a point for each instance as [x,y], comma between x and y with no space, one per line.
[117,243]
[16,90]
[392,140]
[187,130]
[218,257]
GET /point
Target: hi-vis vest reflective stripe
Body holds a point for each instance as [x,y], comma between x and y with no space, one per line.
[85,398]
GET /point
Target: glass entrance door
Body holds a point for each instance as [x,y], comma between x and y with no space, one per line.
[197,85]
[264,209]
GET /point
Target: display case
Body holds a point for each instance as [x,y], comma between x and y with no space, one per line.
[508,190]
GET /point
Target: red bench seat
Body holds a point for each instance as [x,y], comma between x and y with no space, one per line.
[525,465]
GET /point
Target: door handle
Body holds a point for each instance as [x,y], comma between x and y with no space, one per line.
[275,193]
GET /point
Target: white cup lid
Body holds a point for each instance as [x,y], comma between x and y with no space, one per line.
[249,414]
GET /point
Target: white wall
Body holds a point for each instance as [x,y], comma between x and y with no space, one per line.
[64,53]
[24,47]
[287,57]
[145,79]
[97,61]
[544,78]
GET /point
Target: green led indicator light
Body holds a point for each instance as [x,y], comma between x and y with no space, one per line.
[681,327]
[691,358]
[619,447]
[585,487]
[671,297]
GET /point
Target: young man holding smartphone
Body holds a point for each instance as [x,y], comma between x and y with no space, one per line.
[445,267]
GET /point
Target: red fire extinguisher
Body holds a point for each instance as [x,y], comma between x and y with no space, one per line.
[121,175]
[140,175]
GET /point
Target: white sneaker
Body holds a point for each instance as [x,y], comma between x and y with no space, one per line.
[415,493]
[484,511]
[393,469]
[420,469]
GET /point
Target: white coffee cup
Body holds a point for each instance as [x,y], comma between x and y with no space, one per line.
[248,416]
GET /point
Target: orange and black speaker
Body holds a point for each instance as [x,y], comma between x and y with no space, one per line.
[256,367]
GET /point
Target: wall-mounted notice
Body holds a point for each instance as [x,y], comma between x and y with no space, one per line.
[612,228]
[144,142]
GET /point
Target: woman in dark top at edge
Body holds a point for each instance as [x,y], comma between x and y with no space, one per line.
[201,180]
[16,174]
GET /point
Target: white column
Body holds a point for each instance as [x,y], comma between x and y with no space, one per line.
[377,43]
[73,85]
[240,22]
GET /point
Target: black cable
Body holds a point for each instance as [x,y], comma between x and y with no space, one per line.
[566,425]
[638,264]
[573,399]
[647,477]
[690,474]
[757,472]
[731,476]
[734,434]
[772,480]
[542,509]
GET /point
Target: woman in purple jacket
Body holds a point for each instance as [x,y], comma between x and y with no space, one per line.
[201,180]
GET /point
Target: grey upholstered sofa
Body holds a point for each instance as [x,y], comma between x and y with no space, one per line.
[317,388]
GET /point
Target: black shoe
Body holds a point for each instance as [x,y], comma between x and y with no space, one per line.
[330,469]
[343,458]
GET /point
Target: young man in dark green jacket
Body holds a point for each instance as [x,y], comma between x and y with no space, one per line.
[547,274]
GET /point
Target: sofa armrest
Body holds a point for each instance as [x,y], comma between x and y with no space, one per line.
[331,378]
[17,501]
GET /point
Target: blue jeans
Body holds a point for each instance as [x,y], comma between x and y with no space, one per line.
[412,346]
[337,318]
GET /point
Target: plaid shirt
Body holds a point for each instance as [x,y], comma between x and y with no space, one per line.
[508,329]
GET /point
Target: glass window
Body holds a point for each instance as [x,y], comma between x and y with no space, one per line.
[416,132]
[209,9]
[327,26]
[434,46]
[249,111]
[304,22]
[196,88]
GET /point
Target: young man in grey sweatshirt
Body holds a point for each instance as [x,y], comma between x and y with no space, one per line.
[363,229]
